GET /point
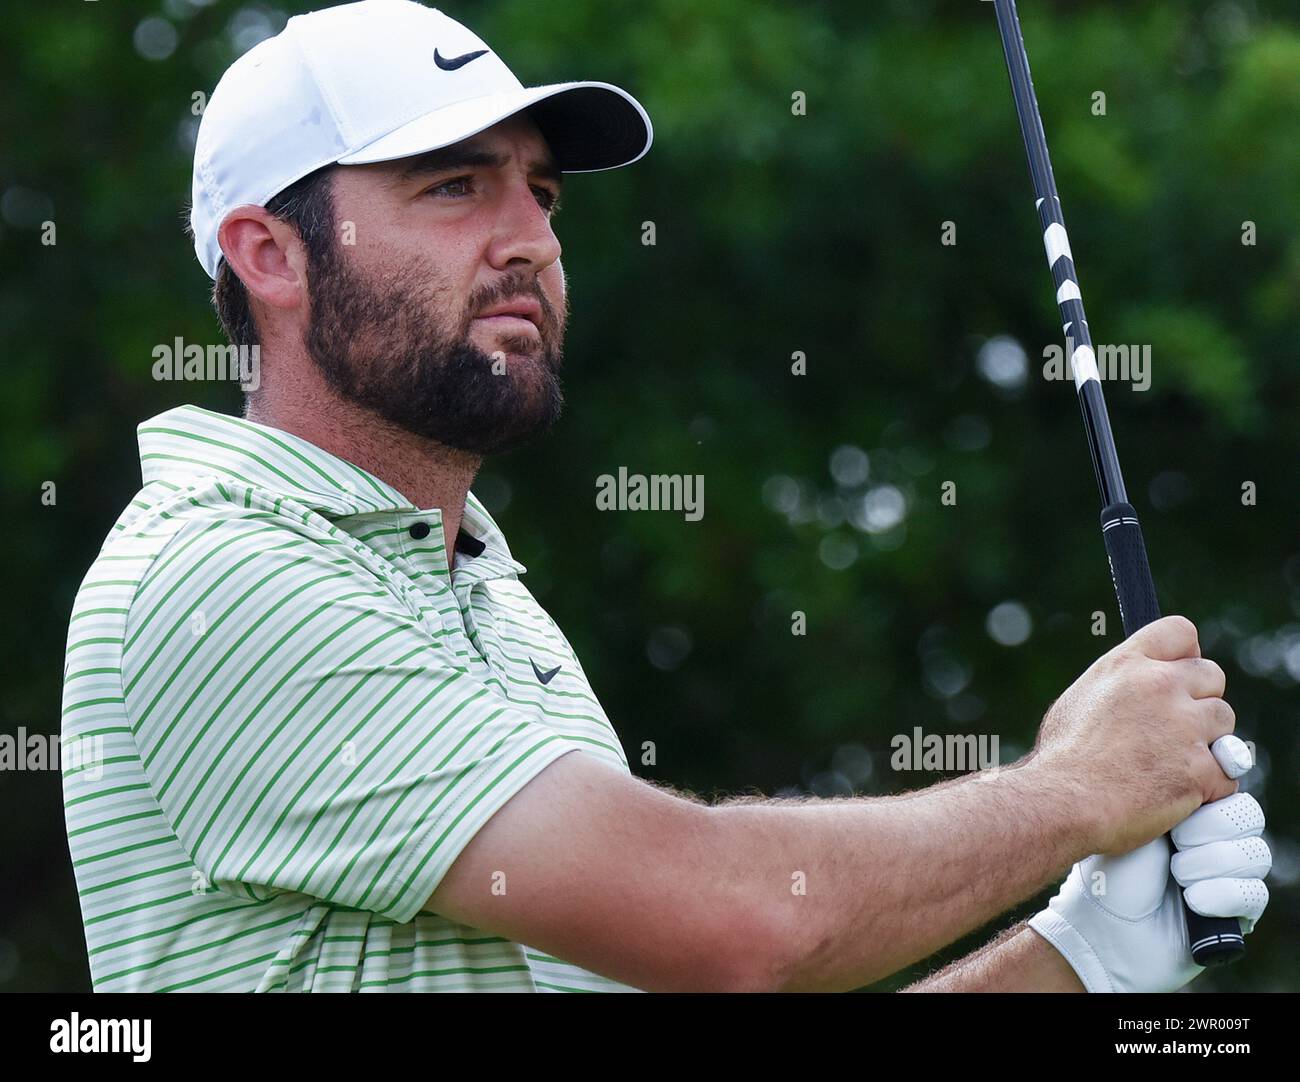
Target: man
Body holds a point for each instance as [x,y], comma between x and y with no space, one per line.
[343,748]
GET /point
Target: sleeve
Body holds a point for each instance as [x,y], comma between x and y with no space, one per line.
[303,721]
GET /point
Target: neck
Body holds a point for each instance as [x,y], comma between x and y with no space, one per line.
[426,472]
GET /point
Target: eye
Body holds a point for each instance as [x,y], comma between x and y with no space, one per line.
[466,182]
[547,200]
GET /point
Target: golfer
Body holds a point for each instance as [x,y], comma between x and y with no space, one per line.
[338,746]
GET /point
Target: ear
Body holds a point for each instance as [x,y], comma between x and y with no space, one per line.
[267,255]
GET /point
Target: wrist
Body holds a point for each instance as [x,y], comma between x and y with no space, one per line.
[1074,949]
[1071,816]
[1016,961]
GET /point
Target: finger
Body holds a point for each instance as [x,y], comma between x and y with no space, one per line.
[1237,816]
[1202,678]
[1233,755]
[1214,784]
[1244,898]
[1167,639]
[1217,717]
[1240,858]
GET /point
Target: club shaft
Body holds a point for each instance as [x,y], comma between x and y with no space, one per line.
[1060,260]
[1213,940]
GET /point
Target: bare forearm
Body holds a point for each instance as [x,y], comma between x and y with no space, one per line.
[862,888]
[1019,960]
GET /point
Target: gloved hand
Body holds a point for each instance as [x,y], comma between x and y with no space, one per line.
[1118,921]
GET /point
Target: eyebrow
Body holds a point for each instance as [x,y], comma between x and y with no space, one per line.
[459,156]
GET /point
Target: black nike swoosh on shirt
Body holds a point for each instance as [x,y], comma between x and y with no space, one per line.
[456,61]
[544,677]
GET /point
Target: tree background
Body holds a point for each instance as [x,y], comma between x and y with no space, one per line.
[774,233]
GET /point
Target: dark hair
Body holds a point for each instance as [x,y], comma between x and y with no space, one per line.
[308,206]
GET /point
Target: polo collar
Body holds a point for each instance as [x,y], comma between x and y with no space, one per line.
[189,444]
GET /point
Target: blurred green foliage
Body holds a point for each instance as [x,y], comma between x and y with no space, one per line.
[775,233]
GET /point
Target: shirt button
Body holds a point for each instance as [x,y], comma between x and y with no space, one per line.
[419,531]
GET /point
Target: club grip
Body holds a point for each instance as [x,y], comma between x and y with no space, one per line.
[1214,941]
[1129,569]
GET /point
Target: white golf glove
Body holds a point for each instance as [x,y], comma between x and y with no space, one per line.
[1118,921]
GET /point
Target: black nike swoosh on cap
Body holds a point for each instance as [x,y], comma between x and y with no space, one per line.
[456,61]
[544,677]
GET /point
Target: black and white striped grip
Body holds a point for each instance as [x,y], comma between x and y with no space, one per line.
[1214,940]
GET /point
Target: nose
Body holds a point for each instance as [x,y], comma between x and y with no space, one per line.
[524,235]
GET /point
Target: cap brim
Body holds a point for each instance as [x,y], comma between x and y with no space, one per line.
[588,126]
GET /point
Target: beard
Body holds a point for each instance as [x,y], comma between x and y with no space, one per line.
[379,345]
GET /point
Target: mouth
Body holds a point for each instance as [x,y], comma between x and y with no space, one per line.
[513,316]
[510,324]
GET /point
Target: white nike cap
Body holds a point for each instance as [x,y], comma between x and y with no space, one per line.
[373,81]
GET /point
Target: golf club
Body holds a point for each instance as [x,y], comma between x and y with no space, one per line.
[1213,940]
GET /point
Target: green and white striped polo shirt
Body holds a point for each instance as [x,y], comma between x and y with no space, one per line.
[283,720]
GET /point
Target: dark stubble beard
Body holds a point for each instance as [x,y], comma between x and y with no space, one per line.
[380,345]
